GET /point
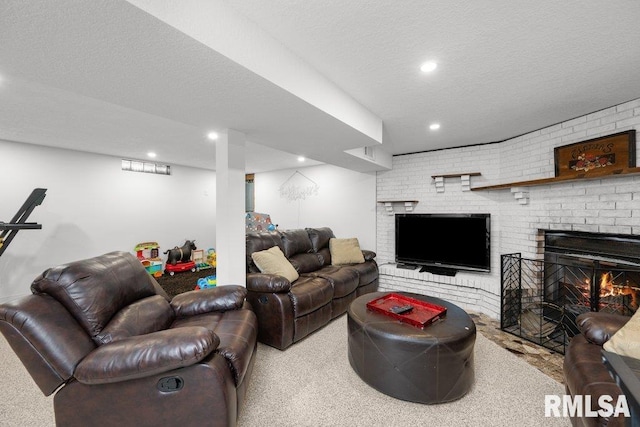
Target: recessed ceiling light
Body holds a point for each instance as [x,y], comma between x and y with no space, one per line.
[301,159]
[151,154]
[434,126]
[428,66]
[212,136]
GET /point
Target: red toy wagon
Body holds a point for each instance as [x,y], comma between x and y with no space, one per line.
[180,267]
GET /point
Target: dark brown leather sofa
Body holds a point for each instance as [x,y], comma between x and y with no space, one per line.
[102,334]
[288,312]
[584,370]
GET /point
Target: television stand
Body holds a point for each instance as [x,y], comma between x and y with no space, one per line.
[442,271]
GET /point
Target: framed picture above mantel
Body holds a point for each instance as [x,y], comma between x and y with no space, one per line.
[611,152]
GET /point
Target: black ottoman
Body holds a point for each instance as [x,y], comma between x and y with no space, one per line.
[430,365]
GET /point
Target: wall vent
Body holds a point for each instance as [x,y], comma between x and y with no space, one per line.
[370,153]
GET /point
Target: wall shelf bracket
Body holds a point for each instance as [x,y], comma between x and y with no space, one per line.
[465,180]
[389,205]
[521,194]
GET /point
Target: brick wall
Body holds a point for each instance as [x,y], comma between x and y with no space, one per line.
[608,205]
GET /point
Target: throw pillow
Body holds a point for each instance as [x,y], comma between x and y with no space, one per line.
[626,342]
[273,261]
[345,251]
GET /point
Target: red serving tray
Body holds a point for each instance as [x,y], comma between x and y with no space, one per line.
[422,315]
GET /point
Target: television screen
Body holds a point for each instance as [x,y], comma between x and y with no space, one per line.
[454,241]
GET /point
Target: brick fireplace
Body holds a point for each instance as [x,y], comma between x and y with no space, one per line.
[609,205]
[580,272]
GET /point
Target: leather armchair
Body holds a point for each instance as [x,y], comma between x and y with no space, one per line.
[103,335]
[584,370]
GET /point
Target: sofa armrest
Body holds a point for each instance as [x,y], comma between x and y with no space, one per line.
[261,282]
[220,298]
[146,355]
[368,255]
[599,327]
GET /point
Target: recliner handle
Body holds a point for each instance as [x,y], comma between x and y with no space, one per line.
[170,384]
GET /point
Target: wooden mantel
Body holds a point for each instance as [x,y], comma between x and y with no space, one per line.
[455,175]
[598,174]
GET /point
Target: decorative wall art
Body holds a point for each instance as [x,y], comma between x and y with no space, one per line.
[612,153]
[298,187]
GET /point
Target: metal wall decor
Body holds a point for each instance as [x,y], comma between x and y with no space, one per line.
[298,187]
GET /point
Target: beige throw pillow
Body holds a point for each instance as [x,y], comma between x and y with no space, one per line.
[626,342]
[345,251]
[273,261]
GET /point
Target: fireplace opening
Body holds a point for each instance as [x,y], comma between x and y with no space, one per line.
[580,272]
[616,291]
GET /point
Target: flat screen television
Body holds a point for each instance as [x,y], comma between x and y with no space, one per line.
[446,242]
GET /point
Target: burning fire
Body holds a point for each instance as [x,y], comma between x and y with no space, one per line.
[612,296]
[608,288]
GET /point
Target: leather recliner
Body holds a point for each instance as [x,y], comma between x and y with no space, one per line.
[103,335]
[584,370]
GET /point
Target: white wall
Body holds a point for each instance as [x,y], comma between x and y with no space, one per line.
[608,205]
[345,201]
[93,207]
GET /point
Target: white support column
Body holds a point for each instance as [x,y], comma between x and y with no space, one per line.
[230,209]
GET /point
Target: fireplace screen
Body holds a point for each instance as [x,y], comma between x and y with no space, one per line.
[541,299]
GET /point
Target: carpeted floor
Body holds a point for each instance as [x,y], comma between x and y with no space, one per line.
[182,282]
[312,384]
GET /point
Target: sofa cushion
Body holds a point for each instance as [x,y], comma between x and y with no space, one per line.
[261,241]
[367,271]
[325,256]
[626,342]
[237,331]
[295,242]
[273,261]
[94,290]
[306,263]
[309,293]
[319,237]
[148,315]
[345,251]
[343,279]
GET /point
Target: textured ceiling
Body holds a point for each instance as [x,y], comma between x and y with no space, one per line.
[108,77]
[505,68]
